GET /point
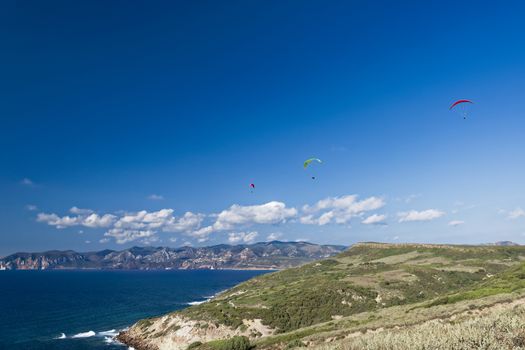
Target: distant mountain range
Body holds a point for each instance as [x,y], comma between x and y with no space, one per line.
[265,255]
[504,243]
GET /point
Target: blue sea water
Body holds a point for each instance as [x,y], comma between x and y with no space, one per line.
[36,307]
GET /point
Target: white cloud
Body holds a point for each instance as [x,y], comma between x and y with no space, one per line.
[159,220]
[189,221]
[92,220]
[395,238]
[79,211]
[150,240]
[274,236]
[124,227]
[95,220]
[375,219]
[58,222]
[269,213]
[516,213]
[122,236]
[425,215]
[127,226]
[409,199]
[31,207]
[202,232]
[27,182]
[143,222]
[173,239]
[155,197]
[104,240]
[456,223]
[339,210]
[244,216]
[245,237]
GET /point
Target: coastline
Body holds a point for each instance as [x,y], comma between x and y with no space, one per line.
[273,269]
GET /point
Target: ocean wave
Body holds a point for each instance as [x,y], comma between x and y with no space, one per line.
[61,336]
[111,333]
[207,298]
[109,340]
[84,335]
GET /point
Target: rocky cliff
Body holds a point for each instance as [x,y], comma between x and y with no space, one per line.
[267,255]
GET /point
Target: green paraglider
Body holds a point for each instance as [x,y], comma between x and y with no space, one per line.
[308,161]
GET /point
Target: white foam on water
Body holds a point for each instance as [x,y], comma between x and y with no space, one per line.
[111,333]
[61,336]
[109,340]
[84,335]
[208,298]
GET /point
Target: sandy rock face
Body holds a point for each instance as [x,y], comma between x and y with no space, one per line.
[173,332]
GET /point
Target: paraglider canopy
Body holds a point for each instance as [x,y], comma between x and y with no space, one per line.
[252,185]
[310,160]
[462,106]
[459,102]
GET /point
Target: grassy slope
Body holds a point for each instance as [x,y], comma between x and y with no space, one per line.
[370,285]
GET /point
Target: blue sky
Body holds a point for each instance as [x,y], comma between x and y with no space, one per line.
[104,104]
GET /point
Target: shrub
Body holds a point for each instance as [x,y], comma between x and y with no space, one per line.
[194,345]
[295,344]
[235,343]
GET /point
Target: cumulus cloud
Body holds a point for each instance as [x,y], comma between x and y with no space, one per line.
[339,210]
[245,237]
[95,220]
[143,222]
[128,226]
[146,225]
[92,220]
[244,216]
[516,213]
[410,198]
[269,213]
[79,211]
[274,236]
[189,221]
[455,223]
[155,197]
[58,222]
[425,215]
[122,236]
[375,219]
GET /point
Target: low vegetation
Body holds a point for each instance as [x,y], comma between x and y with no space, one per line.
[369,286]
[499,330]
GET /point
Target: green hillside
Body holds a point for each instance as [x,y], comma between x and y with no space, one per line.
[369,285]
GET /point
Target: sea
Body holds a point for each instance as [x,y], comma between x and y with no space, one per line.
[85,309]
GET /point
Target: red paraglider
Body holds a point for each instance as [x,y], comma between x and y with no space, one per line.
[458,102]
[463,108]
[252,185]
